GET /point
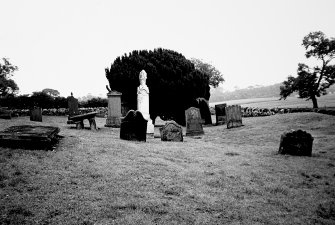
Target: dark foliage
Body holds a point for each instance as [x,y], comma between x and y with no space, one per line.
[173,81]
[94,102]
[7,85]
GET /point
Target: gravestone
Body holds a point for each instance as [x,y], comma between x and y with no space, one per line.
[193,122]
[204,111]
[133,127]
[297,142]
[5,113]
[233,116]
[72,103]
[143,101]
[220,114]
[171,131]
[114,109]
[36,114]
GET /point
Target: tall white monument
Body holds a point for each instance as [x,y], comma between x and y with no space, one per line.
[143,101]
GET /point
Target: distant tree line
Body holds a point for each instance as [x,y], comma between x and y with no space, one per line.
[46,99]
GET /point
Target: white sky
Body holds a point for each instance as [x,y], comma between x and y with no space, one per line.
[66,45]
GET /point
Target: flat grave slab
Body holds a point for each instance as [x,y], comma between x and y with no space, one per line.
[29,137]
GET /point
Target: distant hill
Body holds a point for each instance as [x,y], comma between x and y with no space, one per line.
[219,95]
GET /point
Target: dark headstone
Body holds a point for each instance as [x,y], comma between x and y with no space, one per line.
[193,122]
[171,131]
[36,114]
[297,142]
[233,116]
[72,103]
[5,113]
[220,114]
[204,111]
[133,127]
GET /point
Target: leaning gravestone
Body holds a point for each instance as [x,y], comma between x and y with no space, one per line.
[193,122]
[220,114]
[171,131]
[204,111]
[297,142]
[143,101]
[233,116]
[36,114]
[133,127]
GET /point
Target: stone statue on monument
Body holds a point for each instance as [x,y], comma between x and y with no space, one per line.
[143,86]
[143,101]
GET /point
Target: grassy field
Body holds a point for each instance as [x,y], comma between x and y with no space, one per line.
[290,102]
[226,176]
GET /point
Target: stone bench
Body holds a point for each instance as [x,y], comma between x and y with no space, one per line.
[79,120]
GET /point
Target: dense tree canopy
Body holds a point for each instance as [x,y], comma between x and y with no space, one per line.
[7,85]
[313,82]
[51,92]
[173,81]
[215,76]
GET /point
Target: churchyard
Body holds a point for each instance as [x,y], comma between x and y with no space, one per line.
[225,176]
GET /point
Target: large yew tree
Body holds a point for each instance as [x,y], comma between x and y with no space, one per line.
[173,81]
[312,82]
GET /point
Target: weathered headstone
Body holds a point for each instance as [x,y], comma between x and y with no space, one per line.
[73,105]
[36,114]
[204,111]
[296,142]
[193,122]
[143,101]
[220,114]
[133,126]
[171,131]
[233,116]
[114,109]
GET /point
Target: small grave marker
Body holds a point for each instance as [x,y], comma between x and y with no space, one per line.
[220,114]
[233,116]
[193,122]
[72,103]
[36,114]
[297,142]
[205,111]
[171,131]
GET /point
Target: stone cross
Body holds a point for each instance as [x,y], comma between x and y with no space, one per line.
[143,101]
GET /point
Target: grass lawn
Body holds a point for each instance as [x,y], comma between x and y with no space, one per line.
[230,176]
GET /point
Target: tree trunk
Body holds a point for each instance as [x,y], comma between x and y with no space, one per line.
[315,102]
